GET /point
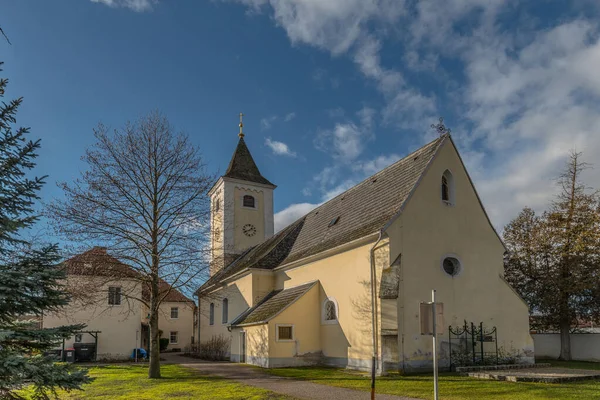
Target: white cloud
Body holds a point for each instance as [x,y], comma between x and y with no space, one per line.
[347,140]
[371,167]
[267,122]
[290,214]
[279,148]
[135,5]
[289,116]
[524,91]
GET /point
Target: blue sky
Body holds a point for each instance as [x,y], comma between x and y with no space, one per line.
[332,90]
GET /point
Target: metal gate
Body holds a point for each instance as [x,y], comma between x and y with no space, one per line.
[473,344]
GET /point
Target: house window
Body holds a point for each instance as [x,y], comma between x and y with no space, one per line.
[114,296]
[451,266]
[225,311]
[329,313]
[211,316]
[248,201]
[173,337]
[448,188]
[285,332]
[174,312]
[78,337]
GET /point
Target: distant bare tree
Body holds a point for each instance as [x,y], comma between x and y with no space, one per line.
[143,197]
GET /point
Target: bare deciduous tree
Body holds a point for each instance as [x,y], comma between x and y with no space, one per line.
[143,197]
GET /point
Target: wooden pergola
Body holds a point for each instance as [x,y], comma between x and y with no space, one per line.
[94,334]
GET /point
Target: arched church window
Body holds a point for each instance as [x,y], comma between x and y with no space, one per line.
[211,314]
[330,311]
[225,311]
[448,188]
[248,201]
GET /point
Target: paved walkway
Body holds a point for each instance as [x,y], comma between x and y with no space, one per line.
[256,377]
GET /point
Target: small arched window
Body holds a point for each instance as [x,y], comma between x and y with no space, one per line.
[225,311]
[330,311]
[448,188]
[211,316]
[248,201]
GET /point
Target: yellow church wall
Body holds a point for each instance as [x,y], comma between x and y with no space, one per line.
[257,344]
[344,277]
[239,296]
[427,231]
[245,215]
[304,316]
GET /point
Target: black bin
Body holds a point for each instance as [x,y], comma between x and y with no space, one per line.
[85,351]
[70,355]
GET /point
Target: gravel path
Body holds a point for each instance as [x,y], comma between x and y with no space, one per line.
[256,377]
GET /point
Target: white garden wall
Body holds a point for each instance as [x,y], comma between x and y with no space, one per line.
[584,346]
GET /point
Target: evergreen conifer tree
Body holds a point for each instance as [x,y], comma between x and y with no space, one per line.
[30,275]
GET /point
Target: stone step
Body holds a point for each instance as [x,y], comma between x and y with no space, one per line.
[476,368]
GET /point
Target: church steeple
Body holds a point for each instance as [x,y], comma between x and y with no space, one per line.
[242,207]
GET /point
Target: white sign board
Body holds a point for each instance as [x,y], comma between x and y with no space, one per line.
[426,318]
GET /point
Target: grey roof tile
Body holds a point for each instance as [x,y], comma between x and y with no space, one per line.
[362,210]
[272,304]
[243,167]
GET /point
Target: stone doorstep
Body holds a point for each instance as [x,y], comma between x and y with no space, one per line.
[476,368]
[531,378]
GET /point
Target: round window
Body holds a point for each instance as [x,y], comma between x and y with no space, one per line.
[451,266]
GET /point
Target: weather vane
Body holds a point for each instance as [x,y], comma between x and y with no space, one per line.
[241,134]
[440,128]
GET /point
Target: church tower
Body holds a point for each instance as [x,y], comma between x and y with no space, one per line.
[241,207]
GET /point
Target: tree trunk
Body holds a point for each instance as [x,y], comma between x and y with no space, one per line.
[154,368]
[565,339]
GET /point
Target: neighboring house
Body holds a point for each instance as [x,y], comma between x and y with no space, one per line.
[105,297]
[302,296]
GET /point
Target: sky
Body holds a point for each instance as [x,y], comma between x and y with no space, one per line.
[332,91]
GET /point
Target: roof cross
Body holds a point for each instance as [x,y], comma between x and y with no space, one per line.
[241,134]
[440,128]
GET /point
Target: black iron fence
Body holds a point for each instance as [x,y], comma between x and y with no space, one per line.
[473,344]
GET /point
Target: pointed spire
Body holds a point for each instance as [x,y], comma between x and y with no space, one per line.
[242,165]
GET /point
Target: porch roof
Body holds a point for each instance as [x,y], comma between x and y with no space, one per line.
[272,305]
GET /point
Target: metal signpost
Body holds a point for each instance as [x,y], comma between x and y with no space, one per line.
[429,316]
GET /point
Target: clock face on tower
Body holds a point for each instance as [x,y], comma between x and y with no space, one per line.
[249,230]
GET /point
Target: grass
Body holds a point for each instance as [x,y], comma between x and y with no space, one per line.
[451,386]
[131,382]
[573,364]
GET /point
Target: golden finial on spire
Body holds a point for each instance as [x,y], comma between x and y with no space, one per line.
[241,134]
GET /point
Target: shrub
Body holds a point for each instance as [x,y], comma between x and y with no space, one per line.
[163,343]
[214,349]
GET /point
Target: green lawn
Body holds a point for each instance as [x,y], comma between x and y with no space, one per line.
[572,364]
[452,387]
[130,382]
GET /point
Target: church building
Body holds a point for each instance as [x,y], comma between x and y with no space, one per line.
[303,295]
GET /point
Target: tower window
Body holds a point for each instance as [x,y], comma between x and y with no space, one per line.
[248,201]
[448,188]
[217,205]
